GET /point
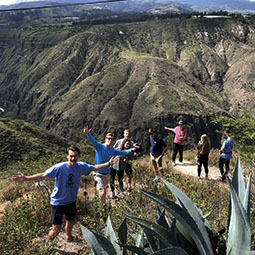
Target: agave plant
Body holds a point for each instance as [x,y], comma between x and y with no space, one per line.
[186,230]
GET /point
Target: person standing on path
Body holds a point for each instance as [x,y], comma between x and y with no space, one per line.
[157,151]
[226,154]
[180,135]
[123,165]
[204,147]
[103,153]
[118,144]
[67,177]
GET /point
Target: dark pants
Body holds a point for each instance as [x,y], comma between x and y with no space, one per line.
[203,160]
[177,148]
[120,174]
[224,162]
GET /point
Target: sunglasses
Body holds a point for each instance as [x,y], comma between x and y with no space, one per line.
[109,138]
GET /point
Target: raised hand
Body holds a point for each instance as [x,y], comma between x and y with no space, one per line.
[86,130]
[19,177]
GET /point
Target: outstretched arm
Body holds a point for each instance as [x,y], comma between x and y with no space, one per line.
[112,161]
[22,178]
[92,140]
[169,129]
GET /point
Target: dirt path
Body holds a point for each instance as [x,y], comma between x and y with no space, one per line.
[189,168]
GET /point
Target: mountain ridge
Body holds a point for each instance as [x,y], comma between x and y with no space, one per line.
[151,74]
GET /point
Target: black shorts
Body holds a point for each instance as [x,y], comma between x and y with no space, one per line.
[58,211]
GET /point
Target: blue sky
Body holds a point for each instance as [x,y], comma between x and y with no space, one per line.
[7,2]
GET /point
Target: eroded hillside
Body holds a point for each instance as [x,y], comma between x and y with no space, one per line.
[130,75]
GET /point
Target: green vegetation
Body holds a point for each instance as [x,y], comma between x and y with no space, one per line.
[186,230]
[242,130]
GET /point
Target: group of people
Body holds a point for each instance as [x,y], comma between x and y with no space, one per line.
[158,149]
[67,175]
[112,160]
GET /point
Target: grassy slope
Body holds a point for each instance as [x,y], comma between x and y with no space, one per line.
[24,145]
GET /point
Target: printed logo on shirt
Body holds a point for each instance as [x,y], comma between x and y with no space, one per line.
[70,181]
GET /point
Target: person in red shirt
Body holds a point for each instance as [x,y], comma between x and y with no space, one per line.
[180,135]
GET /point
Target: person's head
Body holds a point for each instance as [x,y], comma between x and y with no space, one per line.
[109,139]
[126,144]
[180,123]
[227,132]
[204,139]
[72,154]
[126,133]
[151,132]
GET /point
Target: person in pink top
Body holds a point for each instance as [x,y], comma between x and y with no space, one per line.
[180,135]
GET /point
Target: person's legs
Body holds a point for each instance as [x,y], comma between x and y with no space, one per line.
[221,166]
[120,179]
[102,195]
[70,219]
[199,166]
[57,213]
[205,163]
[227,161]
[54,232]
[160,167]
[175,150]
[69,228]
[99,178]
[155,165]
[180,149]
[113,175]
[129,174]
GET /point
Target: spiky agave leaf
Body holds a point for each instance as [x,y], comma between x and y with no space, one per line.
[182,215]
[162,233]
[110,235]
[171,251]
[239,232]
[134,249]
[194,212]
[122,233]
[239,186]
[247,196]
[98,243]
[238,180]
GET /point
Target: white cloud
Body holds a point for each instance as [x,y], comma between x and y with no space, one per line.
[7,2]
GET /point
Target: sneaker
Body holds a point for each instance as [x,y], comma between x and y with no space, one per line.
[112,196]
[156,179]
[69,239]
[181,163]
[206,177]
[173,163]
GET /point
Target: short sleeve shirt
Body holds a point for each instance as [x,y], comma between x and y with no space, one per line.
[228,146]
[67,181]
[157,146]
[179,133]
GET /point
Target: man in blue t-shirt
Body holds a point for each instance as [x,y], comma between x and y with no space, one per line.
[226,155]
[67,177]
[104,152]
